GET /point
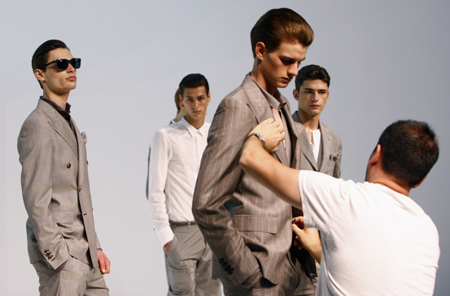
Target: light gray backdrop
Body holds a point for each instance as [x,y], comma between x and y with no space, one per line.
[388,60]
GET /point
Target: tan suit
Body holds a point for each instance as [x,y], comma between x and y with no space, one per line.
[331,150]
[55,189]
[246,225]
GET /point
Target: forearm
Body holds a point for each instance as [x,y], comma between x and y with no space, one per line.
[269,172]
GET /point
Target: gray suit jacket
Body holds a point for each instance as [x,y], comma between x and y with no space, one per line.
[55,188]
[247,227]
[331,150]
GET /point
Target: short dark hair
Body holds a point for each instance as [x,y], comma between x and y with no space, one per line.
[311,72]
[192,81]
[278,25]
[409,150]
[40,56]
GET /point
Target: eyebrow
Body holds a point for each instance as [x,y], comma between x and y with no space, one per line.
[324,89]
[291,58]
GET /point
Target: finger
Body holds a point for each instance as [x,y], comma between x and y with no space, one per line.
[107,266]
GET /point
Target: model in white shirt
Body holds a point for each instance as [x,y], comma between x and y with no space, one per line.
[176,153]
[374,239]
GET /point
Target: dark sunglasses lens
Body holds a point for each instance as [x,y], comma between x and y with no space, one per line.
[76,63]
[62,64]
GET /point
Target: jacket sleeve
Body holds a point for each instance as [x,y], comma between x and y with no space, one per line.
[35,149]
[217,182]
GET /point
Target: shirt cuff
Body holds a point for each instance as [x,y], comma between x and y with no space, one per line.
[165,235]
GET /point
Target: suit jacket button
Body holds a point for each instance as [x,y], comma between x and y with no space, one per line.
[69,165]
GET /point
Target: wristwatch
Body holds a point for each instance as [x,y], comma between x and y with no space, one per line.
[259,137]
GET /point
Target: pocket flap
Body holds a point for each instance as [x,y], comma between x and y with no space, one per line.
[256,223]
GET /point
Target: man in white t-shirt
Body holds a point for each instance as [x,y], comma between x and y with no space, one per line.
[176,152]
[374,239]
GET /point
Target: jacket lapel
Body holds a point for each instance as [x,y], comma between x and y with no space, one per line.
[307,150]
[82,154]
[60,125]
[326,141]
[262,110]
[305,145]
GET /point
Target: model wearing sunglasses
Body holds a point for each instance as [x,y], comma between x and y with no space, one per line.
[62,64]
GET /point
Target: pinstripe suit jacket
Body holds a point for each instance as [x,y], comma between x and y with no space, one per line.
[247,227]
[55,188]
[331,150]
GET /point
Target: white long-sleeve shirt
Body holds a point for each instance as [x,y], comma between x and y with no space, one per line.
[176,153]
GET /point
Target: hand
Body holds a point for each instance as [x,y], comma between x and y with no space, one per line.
[103,262]
[272,133]
[166,247]
[307,238]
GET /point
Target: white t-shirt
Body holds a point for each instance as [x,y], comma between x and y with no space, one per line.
[375,241]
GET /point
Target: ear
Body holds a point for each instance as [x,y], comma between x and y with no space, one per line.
[209,97]
[418,184]
[295,93]
[180,102]
[39,74]
[260,50]
[376,156]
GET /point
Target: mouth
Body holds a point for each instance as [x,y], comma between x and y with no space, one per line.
[72,78]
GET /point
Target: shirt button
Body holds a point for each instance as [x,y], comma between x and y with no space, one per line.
[69,165]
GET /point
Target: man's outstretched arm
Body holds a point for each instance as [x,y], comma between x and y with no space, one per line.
[258,163]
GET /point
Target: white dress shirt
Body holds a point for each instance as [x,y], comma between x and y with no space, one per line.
[176,153]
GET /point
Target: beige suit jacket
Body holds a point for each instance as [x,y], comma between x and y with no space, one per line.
[55,188]
[247,227]
[331,150]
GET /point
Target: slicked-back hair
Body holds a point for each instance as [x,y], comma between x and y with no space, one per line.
[40,56]
[312,72]
[193,80]
[280,25]
[409,150]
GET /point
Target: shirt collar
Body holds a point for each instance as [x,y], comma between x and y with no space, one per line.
[192,130]
[64,112]
[276,101]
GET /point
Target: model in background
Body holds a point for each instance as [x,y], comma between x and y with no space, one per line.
[176,152]
[321,147]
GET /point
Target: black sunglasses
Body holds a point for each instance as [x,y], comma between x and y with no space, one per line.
[62,64]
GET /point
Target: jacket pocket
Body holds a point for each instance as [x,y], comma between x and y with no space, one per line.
[64,218]
[250,223]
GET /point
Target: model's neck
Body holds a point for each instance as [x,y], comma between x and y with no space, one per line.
[197,123]
[60,100]
[261,80]
[309,122]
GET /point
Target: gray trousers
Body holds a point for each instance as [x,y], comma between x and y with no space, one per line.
[189,264]
[76,279]
[295,282]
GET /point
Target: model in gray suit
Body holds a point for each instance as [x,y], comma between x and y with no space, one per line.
[321,147]
[62,242]
[247,227]
[311,92]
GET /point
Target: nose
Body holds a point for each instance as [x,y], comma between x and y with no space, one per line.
[314,97]
[195,104]
[293,70]
[70,68]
